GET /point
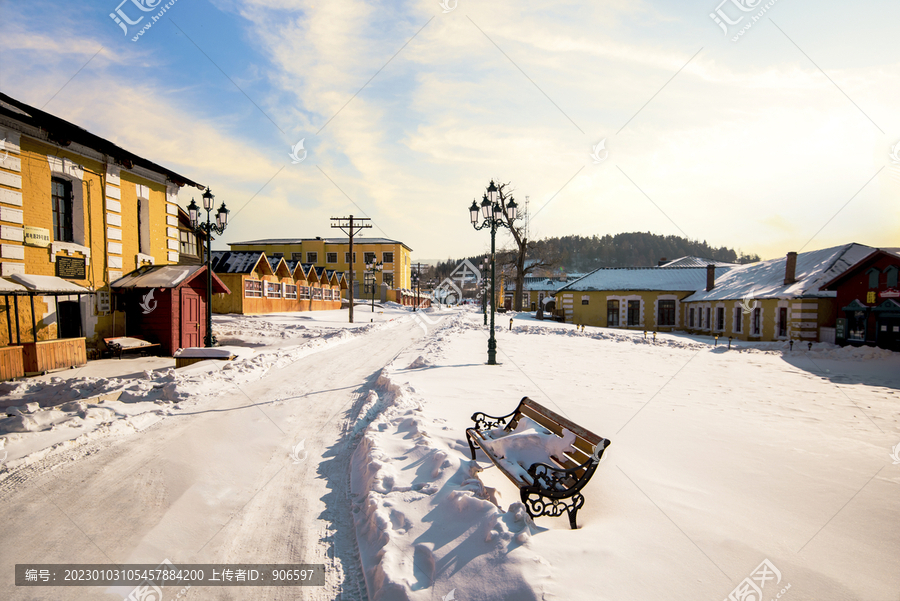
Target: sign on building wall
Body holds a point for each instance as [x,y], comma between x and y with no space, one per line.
[71,268]
[37,236]
[870,297]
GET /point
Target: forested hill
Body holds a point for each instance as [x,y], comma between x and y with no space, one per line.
[636,249]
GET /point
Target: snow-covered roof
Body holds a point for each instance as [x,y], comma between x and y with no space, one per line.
[766,278]
[694,262]
[48,283]
[684,279]
[7,287]
[542,284]
[157,276]
[236,261]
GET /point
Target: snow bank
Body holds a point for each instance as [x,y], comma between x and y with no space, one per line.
[426,525]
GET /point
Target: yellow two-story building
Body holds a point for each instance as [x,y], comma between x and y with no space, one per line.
[76,213]
[334,253]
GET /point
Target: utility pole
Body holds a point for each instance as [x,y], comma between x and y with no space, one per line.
[347,225]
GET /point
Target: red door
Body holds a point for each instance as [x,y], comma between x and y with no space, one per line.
[190,319]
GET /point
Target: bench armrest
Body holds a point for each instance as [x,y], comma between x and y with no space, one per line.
[484,421]
[550,478]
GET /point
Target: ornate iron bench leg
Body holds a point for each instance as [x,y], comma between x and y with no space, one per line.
[577,502]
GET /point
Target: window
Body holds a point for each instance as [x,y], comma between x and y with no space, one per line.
[782,321]
[347,257]
[755,322]
[369,258]
[612,313]
[326,294]
[388,279]
[873,278]
[738,319]
[290,291]
[585,299]
[297,257]
[253,289]
[387,257]
[312,257]
[331,257]
[666,313]
[691,317]
[188,243]
[61,201]
[273,290]
[707,319]
[303,291]
[891,273]
[317,294]
[277,255]
[634,312]
[720,319]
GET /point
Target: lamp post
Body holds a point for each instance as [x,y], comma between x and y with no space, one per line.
[415,277]
[484,289]
[208,228]
[371,270]
[492,212]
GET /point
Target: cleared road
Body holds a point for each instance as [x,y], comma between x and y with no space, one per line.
[212,486]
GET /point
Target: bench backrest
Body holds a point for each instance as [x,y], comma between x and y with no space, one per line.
[585,440]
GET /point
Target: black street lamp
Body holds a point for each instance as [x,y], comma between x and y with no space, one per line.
[493,211]
[415,279]
[208,228]
[371,270]
[484,289]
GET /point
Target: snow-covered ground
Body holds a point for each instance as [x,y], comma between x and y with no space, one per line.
[719,460]
[723,464]
[62,411]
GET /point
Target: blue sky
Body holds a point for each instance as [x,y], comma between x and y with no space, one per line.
[770,143]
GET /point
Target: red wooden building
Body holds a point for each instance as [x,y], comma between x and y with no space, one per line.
[868,301]
[166,304]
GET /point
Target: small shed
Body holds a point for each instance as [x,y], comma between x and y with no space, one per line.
[166,304]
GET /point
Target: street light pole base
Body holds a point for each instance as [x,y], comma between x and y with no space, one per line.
[492,351]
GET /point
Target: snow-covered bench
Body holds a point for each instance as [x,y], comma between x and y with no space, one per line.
[119,345]
[548,457]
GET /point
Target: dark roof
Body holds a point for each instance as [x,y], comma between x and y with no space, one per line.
[288,241]
[63,133]
[858,266]
[235,261]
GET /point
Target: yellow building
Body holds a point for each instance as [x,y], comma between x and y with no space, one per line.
[774,300]
[333,254]
[641,298]
[76,212]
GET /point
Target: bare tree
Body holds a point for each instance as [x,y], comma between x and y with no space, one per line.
[516,256]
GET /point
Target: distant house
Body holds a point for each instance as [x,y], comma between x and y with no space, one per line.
[779,299]
[261,284]
[334,254]
[867,305]
[645,298]
[536,289]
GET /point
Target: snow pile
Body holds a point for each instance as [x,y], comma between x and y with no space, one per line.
[426,525]
[420,362]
